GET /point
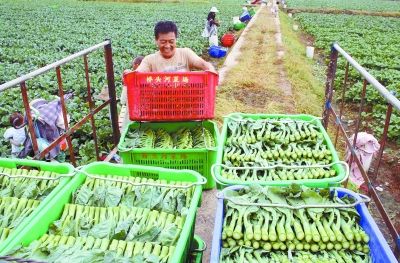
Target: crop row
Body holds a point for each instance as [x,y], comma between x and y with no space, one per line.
[374,42]
[368,5]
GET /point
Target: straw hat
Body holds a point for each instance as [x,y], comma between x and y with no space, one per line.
[214,9]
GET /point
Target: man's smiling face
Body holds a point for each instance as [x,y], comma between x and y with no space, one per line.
[166,43]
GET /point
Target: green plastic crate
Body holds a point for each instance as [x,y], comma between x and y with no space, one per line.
[61,168]
[199,160]
[238,26]
[198,248]
[325,182]
[39,225]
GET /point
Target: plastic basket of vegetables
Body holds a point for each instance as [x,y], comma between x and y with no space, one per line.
[296,224]
[115,213]
[24,186]
[174,145]
[276,150]
[239,25]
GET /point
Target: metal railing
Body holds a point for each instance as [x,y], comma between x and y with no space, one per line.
[392,102]
[112,101]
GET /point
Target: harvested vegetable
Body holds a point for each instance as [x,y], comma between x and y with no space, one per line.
[184,138]
[103,193]
[25,187]
[54,248]
[12,212]
[120,223]
[250,255]
[252,228]
[270,142]
[20,196]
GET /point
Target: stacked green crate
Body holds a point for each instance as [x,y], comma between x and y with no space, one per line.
[172,145]
[116,212]
[276,150]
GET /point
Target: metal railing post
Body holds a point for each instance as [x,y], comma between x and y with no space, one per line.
[31,129]
[346,76]
[65,116]
[330,80]
[383,139]
[111,92]
[91,106]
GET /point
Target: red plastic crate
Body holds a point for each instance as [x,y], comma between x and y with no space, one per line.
[172,96]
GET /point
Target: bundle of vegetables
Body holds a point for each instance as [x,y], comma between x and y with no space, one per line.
[54,248]
[279,228]
[105,193]
[12,212]
[184,138]
[25,187]
[278,173]
[119,223]
[267,142]
[251,255]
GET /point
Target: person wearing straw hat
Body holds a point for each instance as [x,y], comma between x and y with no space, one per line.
[210,28]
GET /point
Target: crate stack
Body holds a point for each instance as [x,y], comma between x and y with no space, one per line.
[265,211]
[171,127]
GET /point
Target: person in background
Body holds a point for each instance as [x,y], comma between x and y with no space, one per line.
[48,125]
[16,134]
[211,27]
[169,58]
[274,9]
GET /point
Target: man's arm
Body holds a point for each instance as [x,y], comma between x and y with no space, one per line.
[199,63]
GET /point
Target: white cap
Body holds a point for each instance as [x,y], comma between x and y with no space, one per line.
[214,9]
[244,8]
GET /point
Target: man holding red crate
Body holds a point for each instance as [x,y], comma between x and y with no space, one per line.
[169,58]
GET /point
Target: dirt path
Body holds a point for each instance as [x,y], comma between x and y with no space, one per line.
[283,82]
[232,59]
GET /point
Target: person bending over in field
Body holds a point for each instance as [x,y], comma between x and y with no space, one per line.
[169,58]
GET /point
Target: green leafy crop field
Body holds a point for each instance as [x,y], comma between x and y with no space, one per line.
[368,5]
[374,42]
[36,33]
